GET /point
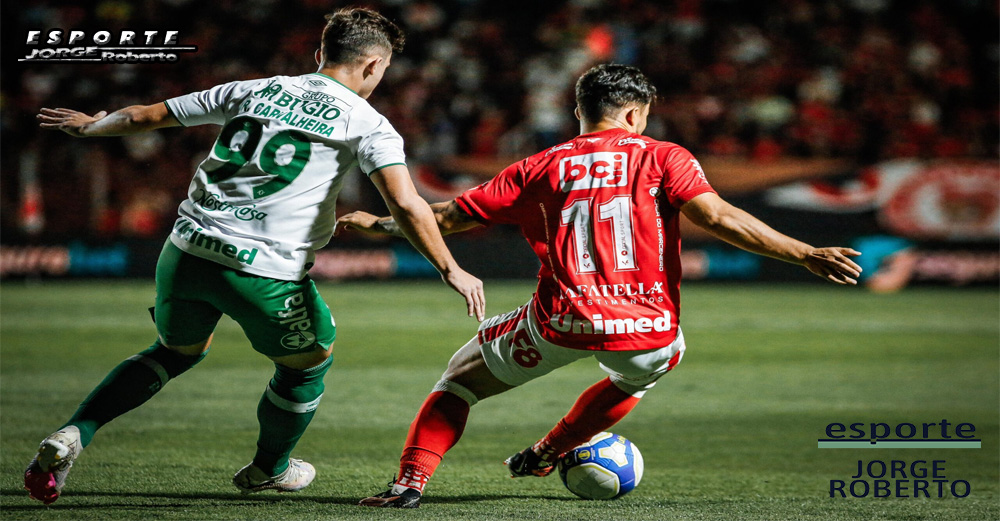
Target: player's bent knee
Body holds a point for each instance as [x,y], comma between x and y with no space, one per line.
[166,362]
[457,389]
[480,382]
[196,349]
[307,360]
[633,388]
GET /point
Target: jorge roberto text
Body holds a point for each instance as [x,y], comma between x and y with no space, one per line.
[897,478]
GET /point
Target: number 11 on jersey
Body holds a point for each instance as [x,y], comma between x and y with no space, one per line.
[617,212]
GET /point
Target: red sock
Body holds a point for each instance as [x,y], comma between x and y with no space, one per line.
[596,410]
[434,431]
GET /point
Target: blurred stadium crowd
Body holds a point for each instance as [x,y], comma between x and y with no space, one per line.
[870,80]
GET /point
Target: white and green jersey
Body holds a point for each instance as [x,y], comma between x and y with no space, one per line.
[263,200]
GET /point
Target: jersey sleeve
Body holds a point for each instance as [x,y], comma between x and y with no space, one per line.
[497,201]
[212,106]
[380,147]
[683,177]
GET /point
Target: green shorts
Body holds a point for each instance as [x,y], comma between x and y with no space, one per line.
[279,317]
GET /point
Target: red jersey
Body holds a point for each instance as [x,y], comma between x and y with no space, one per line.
[601,212]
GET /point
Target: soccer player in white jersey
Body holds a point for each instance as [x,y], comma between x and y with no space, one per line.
[602,213]
[258,207]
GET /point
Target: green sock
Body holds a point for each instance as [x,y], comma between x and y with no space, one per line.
[284,412]
[128,386]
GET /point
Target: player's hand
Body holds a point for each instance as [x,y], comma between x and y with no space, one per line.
[834,264]
[358,221]
[69,121]
[469,287]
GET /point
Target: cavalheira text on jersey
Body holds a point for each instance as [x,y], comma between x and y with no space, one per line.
[283,107]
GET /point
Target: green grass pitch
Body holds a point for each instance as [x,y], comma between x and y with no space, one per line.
[731,434]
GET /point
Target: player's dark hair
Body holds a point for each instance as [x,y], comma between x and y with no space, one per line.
[605,89]
[355,32]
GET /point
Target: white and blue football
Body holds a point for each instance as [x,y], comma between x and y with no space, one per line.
[606,467]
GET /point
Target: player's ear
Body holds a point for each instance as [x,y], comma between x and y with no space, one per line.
[632,115]
[576,112]
[370,64]
[318,56]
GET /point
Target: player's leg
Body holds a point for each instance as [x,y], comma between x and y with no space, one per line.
[439,424]
[290,323]
[126,387]
[284,412]
[132,383]
[184,333]
[605,403]
[502,356]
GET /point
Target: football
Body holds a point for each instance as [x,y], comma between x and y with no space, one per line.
[606,467]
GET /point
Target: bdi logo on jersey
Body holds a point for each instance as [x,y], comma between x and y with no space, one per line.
[596,170]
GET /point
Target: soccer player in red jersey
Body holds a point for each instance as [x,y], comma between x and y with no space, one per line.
[602,213]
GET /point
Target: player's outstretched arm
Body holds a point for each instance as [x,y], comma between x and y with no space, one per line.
[123,122]
[415,219]
[450,219]
[741,229]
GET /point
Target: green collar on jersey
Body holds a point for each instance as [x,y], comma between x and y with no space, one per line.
[334,79]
